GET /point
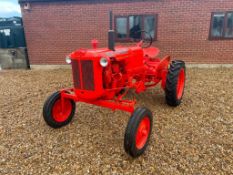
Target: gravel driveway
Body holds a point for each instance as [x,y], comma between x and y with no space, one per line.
[194,138]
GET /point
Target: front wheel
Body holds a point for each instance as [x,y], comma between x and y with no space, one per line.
[138,132]
[175,83]
[53,113]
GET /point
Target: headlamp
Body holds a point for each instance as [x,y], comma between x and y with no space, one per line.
[104,62]
[68,60]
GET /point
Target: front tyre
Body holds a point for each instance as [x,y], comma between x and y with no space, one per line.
[138,132]
[175,83]
[53,114]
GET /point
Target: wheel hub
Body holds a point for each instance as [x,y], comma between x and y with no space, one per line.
[142,133]
[60,115]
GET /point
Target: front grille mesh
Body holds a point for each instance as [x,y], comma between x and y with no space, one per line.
[76,74]
[83,74]
[87,75]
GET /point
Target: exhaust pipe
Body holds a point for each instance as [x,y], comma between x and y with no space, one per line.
[111,34]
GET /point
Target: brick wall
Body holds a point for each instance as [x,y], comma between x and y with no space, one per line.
[53,29]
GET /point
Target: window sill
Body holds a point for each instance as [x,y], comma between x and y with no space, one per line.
[219,39]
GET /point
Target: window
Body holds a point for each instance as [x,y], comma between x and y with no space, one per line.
[121,27]
[135,26]
[149,26]
[221,26]
[128,28]
[229,26]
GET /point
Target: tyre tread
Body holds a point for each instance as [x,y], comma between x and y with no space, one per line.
[47,111]
[133,123]
[171,82]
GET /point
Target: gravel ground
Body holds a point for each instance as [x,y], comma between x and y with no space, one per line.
[194,138]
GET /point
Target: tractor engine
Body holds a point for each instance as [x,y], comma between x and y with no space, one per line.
[114,79]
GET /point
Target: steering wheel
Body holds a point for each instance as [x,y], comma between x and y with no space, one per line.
[143,40]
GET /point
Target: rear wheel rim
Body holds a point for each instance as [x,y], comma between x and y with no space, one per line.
[142,133]
[58,114]
[180,84]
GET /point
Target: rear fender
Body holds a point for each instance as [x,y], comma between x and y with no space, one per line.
[151,52]
[162,70]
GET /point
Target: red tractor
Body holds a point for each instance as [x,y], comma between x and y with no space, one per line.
[103,76]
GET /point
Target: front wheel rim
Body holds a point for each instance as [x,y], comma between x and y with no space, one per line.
[58,114]
[142,133]
[180,84]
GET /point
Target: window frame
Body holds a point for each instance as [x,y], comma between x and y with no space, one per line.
[224,26]
[128,39]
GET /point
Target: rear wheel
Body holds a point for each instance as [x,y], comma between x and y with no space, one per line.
[53,114]
[138,132]
[175,83]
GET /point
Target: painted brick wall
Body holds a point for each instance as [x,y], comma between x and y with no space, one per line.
[53,29]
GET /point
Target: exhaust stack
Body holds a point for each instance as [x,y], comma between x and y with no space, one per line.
[111,34]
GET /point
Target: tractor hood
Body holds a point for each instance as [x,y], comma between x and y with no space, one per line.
[105,52]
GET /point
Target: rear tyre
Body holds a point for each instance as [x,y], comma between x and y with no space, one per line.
[53,114]
[138,132]
[175,83]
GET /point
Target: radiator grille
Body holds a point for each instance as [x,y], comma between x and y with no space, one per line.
[83,74]
[87,75]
